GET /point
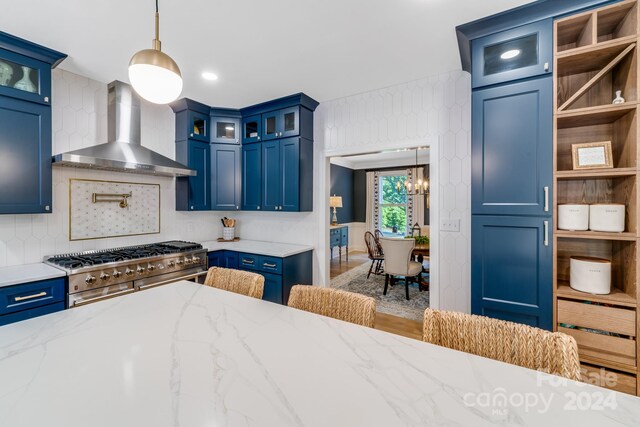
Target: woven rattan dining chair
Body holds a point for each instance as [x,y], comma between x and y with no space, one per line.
[240,282]
[552,352]
[375,254]
[341,305]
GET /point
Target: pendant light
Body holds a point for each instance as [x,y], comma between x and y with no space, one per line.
[153,74]
[418,188]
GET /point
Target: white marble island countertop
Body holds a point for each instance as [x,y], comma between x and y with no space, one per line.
[257,247]
[25,273]
[188,355]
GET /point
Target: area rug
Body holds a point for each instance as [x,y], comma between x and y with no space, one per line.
[394,302]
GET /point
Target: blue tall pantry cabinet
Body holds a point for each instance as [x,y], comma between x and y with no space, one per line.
[511,190]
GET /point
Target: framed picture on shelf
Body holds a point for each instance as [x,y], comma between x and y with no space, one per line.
[592,155]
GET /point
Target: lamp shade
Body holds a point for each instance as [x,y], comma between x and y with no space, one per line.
[335,201]
[155,76]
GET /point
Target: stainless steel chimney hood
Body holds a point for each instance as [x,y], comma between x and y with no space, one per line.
[123,152]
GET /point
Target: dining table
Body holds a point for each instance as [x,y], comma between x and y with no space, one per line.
[190,355]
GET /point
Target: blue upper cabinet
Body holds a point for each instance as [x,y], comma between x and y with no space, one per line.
[198,126]
[522,52]
[287,167]
[271,176]
[283,123]
[225,126]
[192,120]
[511,269]
[512,148]
[225,177]
[252,177]
[25,179]
[193,193]
[252,129]
[25,125]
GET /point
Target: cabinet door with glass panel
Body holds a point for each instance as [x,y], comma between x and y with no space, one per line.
[515,54]
[251,129]
[283,123]
[225,130]
[24,78]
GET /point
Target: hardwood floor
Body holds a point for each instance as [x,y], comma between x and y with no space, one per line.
[384,322]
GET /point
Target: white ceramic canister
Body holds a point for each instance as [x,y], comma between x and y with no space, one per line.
[607,217]
[228,233]
[592,275]
[573,217]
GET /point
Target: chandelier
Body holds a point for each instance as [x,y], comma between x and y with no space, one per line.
[417,186]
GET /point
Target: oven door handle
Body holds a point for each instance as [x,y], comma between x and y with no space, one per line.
[175,279]
[82,302]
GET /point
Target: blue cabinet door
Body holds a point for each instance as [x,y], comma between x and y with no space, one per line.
[271,176]
[198,126]
[272,288]
[25,162]
[225,130]
[225,177]
[512,149]
[252,129]
[522,52]
[230,259]
[251,176]
[290,170]
[194,193]
[30,78]
[289,122]
[270,128]
[215,259]
[511,271]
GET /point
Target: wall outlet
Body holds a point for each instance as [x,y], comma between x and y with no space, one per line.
[450,225]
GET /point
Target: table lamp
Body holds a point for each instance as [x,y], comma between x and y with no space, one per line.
[335,202]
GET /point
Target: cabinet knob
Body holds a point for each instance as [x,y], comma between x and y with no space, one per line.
[191,135]
[47,208]
[258,138]
[46,99]
[546,66]
[258,207]
[191,207]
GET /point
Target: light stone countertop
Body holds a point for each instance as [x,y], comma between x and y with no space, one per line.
[189,355]
[256,247]
[28,273]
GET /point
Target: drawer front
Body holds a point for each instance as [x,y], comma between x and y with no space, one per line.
[249,261]
[334,232]
[271,264]
[272,288]
[31,295]
[344,236]
[335,241]
[604,347]
[609,379]
[31,313]
[591,316]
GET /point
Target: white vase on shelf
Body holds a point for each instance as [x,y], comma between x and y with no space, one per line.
[618,99]
[25,82]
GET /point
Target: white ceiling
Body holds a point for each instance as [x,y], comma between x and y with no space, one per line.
[261,49]
[385,159]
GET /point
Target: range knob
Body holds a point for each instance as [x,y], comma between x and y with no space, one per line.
[105,276]
[129,272]
[151,267]
[195,260]
[171,264]
[160,266]
[141,270]
[90,279]
[116,274]
[187,261]
[179,262]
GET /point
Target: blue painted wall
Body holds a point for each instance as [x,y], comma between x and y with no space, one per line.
[342,185]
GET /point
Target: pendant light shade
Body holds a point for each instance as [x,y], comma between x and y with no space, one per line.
[153,74]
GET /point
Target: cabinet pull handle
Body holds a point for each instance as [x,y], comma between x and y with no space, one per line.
[247,261]
[269,265]
[546,199]
[41,294]
[546,233]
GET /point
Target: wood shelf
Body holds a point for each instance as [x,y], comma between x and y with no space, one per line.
[626,236]
[588,58]
[610,365]
[616,297]
[602,114]
[596,173]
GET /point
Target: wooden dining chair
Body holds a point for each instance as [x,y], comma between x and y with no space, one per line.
[375,254]
[237,281]
[553,352]
[341,305]
[397,262]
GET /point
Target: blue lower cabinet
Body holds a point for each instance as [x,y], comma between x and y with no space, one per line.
[27,300]
[25,166]
[272,288]
[251,177]
[280,274]
[194,193]
[226,177]
[511,272]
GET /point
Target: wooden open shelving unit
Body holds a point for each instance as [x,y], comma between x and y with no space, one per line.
[595,54]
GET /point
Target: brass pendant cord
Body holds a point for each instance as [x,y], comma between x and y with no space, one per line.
[156,42]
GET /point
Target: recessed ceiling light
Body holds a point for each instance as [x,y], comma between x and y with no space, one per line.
[510,54]
[209,76]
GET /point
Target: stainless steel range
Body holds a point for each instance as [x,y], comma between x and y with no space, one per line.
[98,275]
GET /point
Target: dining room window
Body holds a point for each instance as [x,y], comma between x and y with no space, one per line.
[392,205]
